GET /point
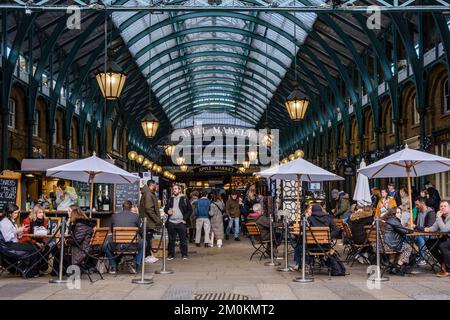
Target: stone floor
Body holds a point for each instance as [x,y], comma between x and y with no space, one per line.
[228,270]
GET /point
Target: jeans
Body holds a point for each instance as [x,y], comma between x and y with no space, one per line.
[421,244]
[202,223]
[109,249]
[236,227]
[173,229]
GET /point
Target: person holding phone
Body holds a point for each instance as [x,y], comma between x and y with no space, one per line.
[11,233]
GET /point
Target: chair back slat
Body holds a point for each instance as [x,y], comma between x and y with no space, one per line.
[318,235]
[339,223]
[347,231]
[99,236]
[371,232]
[252,229]
[125,235]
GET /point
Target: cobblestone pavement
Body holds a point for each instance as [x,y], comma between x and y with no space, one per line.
[227,272]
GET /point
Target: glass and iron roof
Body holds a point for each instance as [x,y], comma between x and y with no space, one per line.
[202,62]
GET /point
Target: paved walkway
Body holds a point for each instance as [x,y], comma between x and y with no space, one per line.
[227,272]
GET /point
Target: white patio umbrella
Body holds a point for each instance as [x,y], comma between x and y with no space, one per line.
[362,188]
[300,170]
[90,170]
[407,163]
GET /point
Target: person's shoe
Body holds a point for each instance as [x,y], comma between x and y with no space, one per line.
[197,244]
[211,245]
[132,269]
[185,258]
[237,239]
[294,268]
[207,245]
[421,263]
[219,246]
[442,274]
[227,237]
[170,257]
[112,271]
[398,271]
[151,259]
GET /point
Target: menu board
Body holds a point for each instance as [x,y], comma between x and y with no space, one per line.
[125,192]
[9,189]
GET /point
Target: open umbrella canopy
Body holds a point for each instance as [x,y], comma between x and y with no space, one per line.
[396,165]
[299,169]
[362,189]
[82,170]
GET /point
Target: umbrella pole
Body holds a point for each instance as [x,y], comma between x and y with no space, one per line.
[408,172]
[297,216]
[91,177]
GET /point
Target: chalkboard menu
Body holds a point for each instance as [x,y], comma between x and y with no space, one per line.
[126,192]
[8,191]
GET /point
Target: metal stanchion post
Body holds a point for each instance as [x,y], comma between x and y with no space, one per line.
[286,268]
[142,280]
[60,279]
[164,270]
[271,263]
[303,279]
[378,274]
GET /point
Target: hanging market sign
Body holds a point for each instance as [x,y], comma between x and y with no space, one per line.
[225,169]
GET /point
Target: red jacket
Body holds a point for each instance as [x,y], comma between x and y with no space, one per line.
[27,222]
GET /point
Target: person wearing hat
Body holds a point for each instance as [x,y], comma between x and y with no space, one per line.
[342,205]
[316,217]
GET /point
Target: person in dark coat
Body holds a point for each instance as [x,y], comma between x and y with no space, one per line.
[80,234]
[394,239]
[358,220]
[434,199]
[263,223]
[316,217]
[148,207]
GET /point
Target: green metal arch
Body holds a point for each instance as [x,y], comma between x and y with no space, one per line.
[213,54]
[216,71]
[178,104]
[200,87]
[223,42]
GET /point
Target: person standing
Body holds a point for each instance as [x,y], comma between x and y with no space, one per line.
[179,210]
[392,192]
[66,196]
[233,210]
[216,214]
[202,219]
[342,205]
[148,207]
[434,199]
[191,224]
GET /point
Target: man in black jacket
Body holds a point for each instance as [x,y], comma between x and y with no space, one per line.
[316,217]
[179,210]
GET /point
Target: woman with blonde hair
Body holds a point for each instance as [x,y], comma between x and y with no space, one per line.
[36,221]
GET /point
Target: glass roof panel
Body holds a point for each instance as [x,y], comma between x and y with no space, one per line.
[279,58]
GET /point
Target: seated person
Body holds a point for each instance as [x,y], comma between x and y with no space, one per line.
[316,217]
[38,224]
[263,223]
[363,216]
[394,239]
[425,218]
[441,251]
[80,234]
[12,233]
[126,218]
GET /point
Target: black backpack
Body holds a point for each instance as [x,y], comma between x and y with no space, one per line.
[335,264]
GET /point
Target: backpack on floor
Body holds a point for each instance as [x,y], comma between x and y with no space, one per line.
[335,264]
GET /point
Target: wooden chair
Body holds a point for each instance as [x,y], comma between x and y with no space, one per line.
[356,249]
[318,245]
[126,242]
[258,244]
[95,252]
